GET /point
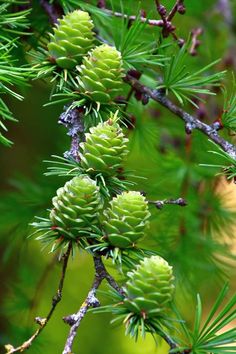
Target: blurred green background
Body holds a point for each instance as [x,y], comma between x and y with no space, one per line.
[185,236]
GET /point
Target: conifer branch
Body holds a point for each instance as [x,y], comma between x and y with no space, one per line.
[195,42]
[151,22]
[44,321]
[178,7]
[41,284]
[224,8]
[54,11]
[160,203]
[74,320]
[72,120]
[91,300]
[191,122]
[101,4]
[174,345]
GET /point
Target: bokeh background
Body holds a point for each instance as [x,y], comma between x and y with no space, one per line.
[198,240]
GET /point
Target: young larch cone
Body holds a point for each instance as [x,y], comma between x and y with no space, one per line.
[101,74]
[126,219]
[72,39]
[104,149]
[150,288]
[76,206]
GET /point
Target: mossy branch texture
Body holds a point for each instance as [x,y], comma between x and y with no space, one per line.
[98,77]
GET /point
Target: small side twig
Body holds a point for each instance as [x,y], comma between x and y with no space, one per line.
[161,10]
[43,321]
[178,7]
[225,9]
[195,42]
[101,4]
[131,18]
[167,27]
[41,284]
[54,11]
[160,203]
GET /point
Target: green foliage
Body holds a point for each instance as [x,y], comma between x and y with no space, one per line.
[228,168]
[186,85]
[228,118]
[109,185]
[12,23]
[212,336]
[135,54]
[10,76]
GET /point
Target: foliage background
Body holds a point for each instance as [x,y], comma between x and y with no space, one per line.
[190,238]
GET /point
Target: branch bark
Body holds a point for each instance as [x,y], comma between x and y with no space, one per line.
[72,119]
[151,22]
[178,7]
[54,11]
[74,320]
[190,121]
[160,203]
[224,8]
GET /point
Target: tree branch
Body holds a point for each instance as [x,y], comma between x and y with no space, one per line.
[224,7]
[54,11]
[195,42]
[191,122]
[151,22]
[74,320]
[101,4]
[43,321]
[178,7]
[160,203]
[72,119]
[41,284]
[172,344]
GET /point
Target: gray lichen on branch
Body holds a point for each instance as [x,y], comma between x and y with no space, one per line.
[72,119]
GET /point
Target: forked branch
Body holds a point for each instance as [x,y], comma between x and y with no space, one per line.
[74,320]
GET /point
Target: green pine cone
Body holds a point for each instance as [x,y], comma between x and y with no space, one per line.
[72,39]
[104,149]
[150,288]
[75,206]
[101,74]
[126,219]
